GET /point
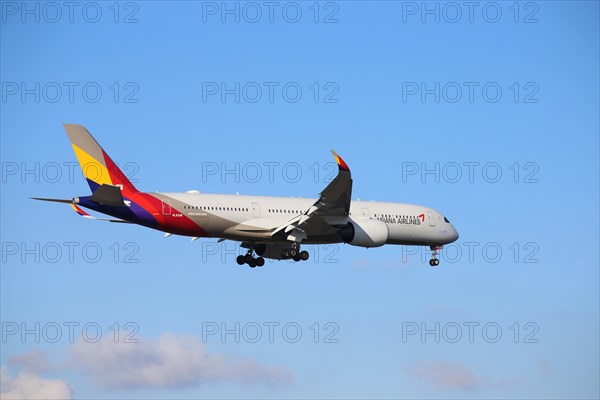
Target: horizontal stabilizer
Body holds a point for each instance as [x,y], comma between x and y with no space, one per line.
[79,211]
[54,200]
[108,195]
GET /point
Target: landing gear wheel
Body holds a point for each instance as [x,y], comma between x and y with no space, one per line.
[248,259]
[241,260]
[293,252]
[297,258]
[434,262]
[260,261]
[304,255]
[252,263]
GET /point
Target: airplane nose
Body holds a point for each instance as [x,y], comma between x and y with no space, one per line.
[454,234]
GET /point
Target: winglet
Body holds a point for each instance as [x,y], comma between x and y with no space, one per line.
[341,164]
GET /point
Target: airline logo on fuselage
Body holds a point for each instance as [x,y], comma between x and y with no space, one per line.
[403,219]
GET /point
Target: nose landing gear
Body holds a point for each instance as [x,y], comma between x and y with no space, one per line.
[434,262]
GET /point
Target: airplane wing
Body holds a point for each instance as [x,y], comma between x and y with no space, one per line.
[334,201]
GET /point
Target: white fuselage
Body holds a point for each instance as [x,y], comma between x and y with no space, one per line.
[217,214]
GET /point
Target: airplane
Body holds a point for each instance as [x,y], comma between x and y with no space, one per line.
[270,227]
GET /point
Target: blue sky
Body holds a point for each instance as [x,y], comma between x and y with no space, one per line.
[526,261]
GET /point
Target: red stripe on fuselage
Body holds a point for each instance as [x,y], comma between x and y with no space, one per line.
[174,222]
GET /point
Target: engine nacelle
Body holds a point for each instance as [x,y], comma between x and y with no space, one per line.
[365,233]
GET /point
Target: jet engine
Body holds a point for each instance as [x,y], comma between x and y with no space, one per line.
[364,232]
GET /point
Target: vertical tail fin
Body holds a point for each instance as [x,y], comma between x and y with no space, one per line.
[98,168]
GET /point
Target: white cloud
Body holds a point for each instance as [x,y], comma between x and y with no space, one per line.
[445,375]
[34,361]
[170,361]
[30,386]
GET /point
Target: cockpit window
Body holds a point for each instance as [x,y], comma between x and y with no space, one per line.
[446,219]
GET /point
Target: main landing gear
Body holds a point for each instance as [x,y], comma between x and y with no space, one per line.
[257,252]
[434,262]
[250,260]
[295,254]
